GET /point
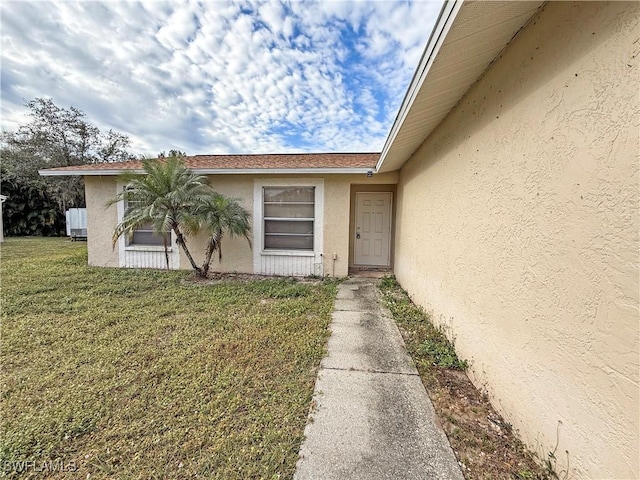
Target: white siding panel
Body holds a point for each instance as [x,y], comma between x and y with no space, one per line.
[290,265]
[149,259]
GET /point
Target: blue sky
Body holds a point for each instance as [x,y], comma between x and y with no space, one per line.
[218,77]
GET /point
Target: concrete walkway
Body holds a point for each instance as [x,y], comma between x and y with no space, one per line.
[372,417]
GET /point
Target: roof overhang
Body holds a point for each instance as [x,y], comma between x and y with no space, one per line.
[216,171]
[467,37]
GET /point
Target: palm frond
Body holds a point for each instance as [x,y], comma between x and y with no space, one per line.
[164,196]
[220,215]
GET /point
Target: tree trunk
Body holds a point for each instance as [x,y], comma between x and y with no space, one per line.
[166,250]
[207,256]
[212,245]
[180,241]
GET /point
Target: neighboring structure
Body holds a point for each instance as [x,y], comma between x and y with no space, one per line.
[509,186]
[76,223]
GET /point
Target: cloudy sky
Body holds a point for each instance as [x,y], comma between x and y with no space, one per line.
[218,76]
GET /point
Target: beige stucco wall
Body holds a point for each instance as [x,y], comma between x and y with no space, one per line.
[237,255]
[236,252]
[517,226]
[337,191]
[101,221]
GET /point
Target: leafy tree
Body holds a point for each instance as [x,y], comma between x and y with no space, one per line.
[63,137]
[219,215]
[114,147]
[28,209]
[53,137]
[172,153]
[165,196]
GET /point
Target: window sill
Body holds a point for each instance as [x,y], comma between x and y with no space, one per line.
[146,248]
[288,253]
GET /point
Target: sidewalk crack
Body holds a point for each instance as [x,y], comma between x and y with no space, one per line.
[370,371]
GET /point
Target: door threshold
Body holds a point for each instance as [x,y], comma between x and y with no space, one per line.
[370,271]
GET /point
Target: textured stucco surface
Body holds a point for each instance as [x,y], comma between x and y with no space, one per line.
[101,221]
[337,191]
[236,253]
[517,226]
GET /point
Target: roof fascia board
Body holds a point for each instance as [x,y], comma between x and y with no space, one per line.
[71,173]
[276,171]
[447,16]
[218,171]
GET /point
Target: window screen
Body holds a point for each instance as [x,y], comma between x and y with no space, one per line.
[288,218]
[143,235]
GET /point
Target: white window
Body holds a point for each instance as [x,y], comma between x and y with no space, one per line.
[145,249]
[289,217]
[288,226]
[144,235]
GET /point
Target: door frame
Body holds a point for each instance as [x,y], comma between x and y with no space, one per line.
[371,188]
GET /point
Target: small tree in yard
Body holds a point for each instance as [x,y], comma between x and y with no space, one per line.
[165,196]
[219,215]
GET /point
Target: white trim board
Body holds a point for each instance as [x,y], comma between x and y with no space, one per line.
[450,10]
[218,171]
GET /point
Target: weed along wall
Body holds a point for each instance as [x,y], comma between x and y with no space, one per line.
[517,226]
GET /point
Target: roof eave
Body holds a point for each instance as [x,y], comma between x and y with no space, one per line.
[448,13]
[462,25]
[282,171]
[72,173]
[219,171]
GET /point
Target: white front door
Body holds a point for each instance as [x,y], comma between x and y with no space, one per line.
[373,229]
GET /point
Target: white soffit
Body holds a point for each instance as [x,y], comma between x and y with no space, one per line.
[467,37]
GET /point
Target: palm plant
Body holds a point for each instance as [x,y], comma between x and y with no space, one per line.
[164,196]
[219,215]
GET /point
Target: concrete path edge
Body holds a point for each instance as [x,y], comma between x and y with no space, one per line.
[372,418]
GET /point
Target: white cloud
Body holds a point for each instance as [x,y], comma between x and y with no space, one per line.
[273,15]
[218,77]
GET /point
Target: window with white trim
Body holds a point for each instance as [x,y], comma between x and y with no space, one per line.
[288,216]
[144,235]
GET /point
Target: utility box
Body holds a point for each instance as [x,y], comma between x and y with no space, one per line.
[77,223]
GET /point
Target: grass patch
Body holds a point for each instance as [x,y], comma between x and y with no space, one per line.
[429,342]
[139,374]
[486,446]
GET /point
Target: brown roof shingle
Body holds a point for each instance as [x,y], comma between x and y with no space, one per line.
[249,162]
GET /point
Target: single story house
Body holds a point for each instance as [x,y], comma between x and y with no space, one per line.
[505,201]
[301,204]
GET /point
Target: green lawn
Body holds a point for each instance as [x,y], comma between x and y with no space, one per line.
[144,374]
